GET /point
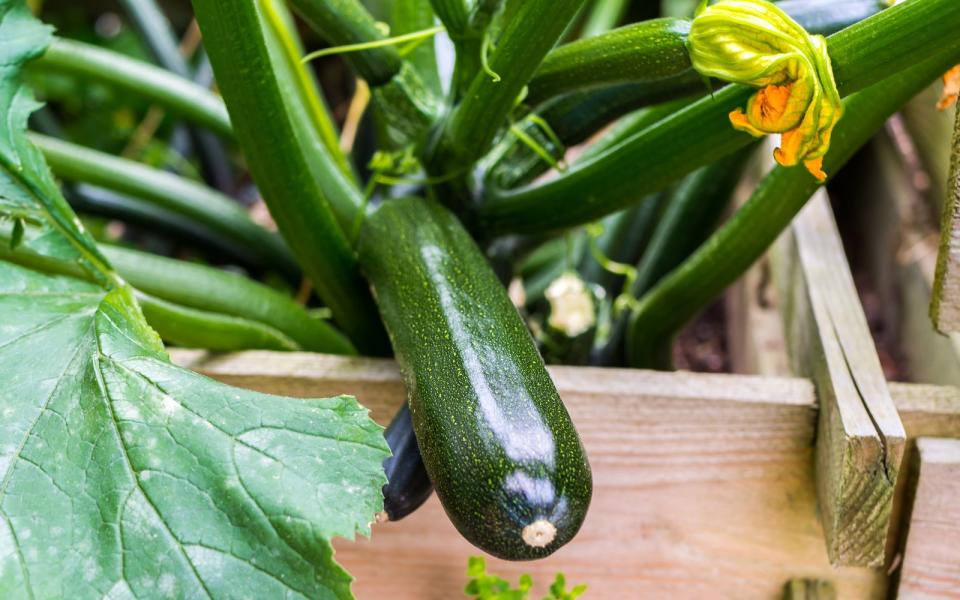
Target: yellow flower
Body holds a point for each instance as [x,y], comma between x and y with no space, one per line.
[755,43]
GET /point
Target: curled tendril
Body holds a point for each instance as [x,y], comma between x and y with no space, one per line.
[755,43]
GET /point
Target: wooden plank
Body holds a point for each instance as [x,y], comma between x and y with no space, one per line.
[860,438]
[929,132]
[945,305]
[704,484]
[931,559]
[809,589]
[756,340]
[909,241]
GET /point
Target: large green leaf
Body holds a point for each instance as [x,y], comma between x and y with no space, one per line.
[121,474]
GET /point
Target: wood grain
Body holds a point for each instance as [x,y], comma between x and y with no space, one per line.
[755,335]
[906,239]
[945,305]
[809,589]
[931,560]
[704,484]
[930,131]
[860,438]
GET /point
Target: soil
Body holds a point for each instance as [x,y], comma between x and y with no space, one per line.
[702,345]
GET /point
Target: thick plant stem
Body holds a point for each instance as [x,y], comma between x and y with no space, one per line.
[213,290]
[526,38]
[743,239]
[862,54]
[166,89]
[190,199]
[604,15]
[575,116]
[283,40]
[192,328]
[94,200]
[290,165]
[693,211]
[654,49]
[409,16]
[345,22]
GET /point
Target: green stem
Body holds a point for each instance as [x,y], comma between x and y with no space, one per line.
[90,199]
[158,35]
[654,49]
[194,328]
[409,16]
[141,79]
[454,15]
[577,115]
[626,236]
[573,119]
[524,41]
[217,291]
[286,45]
[746,236]
[862,54]
[604,16]
[693,211]
[298,179]
[346,22]
[188,198]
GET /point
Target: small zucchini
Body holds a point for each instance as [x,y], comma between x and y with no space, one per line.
[408,485]
[497,442]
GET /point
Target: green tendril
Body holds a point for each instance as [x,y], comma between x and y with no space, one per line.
[415,36]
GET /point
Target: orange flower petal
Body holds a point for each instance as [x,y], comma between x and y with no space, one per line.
[778,108]
[815,166]
[741,122]
[951,88]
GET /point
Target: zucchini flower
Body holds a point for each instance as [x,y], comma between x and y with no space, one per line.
[755,43]
[951,88]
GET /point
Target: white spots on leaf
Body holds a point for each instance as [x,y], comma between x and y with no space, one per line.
[166,585]
[169,406]
[127,411]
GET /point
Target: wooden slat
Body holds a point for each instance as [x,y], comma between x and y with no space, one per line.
[945,306]
[756,340]
[931,560]
[906,237]
[929,131]
[704,484]
[860,437]
[809,589]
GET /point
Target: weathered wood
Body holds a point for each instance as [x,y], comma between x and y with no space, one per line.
[931,559]
[860,438]
[930,131]
[756,340]
[907,240]
[809,589]
[704,484]
[945,305]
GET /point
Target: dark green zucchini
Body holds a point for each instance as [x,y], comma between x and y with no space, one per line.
[408,485]
[495,437]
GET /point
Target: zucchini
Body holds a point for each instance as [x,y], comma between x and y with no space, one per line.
[495,437]
[408,485]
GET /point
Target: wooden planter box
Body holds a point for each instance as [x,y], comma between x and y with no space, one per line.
[810,476]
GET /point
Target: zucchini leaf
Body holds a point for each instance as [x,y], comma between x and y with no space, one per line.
[121,474]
